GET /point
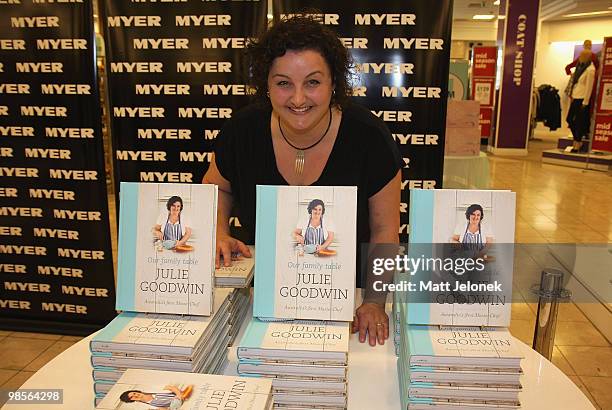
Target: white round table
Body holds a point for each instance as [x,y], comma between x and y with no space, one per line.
[373,380]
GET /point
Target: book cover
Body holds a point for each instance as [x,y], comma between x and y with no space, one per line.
[239,274]
[133,332]
[449,227]
[296,341]
[470,346]
[147,389]
[166,248]
[305,264]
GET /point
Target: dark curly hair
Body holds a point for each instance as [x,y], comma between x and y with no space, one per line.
[313,204]
[125,396]
[473,208]
[172,200]
[300,32]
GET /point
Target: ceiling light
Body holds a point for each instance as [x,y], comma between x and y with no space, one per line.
[483,17]
[501,17]
[591,13]
[496,3]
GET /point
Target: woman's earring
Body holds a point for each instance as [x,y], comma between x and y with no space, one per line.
[268,94]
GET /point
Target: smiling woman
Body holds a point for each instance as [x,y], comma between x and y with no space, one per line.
[302,130]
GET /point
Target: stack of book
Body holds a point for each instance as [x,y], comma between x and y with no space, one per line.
[306,361]
[454,349]
[183,343]
[304,295]
[238,275]
[399,299]
[240,302]
[468,366]
[172,316]
[173,390]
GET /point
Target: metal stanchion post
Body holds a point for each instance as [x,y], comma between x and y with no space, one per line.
[550,292]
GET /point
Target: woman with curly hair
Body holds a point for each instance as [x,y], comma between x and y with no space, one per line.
[471,234]
[302,130]
[315,233]
[171,227]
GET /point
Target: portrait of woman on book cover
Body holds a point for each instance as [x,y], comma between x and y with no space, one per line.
[473,233]
[315,233]
[170,399]
[172,229]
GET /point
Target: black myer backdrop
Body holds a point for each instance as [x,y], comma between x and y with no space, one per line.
[55,249]
[402,50]
[176,72]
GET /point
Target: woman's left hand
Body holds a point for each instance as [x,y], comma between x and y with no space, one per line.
[371,318]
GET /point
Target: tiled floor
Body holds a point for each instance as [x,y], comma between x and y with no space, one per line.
[555,204]
[22,354]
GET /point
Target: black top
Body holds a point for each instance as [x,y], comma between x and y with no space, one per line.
[364,155]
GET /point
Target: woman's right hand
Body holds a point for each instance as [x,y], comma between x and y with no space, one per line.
[157,234]
[226,245]
[297,235]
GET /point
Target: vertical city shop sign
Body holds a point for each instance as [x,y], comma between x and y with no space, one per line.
[602,131]
[517,74]
[56,269]
[402,51]
[176,73]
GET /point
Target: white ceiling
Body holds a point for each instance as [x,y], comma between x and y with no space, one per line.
[465,9]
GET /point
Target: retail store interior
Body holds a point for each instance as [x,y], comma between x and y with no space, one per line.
[559,201]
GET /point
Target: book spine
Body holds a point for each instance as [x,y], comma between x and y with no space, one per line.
[422,207]
[421,215]
[214,247]
[265,237]
[128,224]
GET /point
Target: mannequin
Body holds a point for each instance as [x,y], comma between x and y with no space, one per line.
[578,117]
[588,45]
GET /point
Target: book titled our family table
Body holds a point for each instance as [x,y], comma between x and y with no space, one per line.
[173,390]
[166,248]
[454,226]
[296,341]
[306,252]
